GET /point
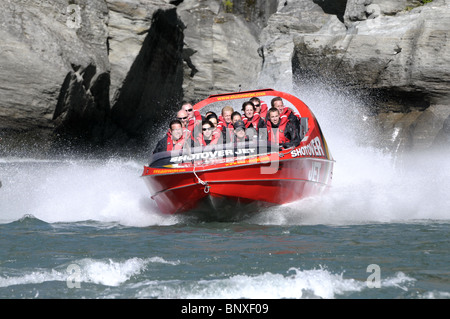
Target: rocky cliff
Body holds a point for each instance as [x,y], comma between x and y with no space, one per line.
[108,72]
[395,51]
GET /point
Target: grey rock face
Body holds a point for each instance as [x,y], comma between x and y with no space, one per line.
[53,67]
[100,70]
[221,45]
[407,51]
[39,48]
[153,82]
[399,50]
[69,66]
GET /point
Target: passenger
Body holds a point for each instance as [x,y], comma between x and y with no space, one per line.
[235,116]
[239,132]
[207,137]
[278,103]
[225,124]
[280,130]
[183,117]
[228,136]
[193,115]
[225,118]
[174,139]
[195,118]
[261,107]
[250,118]
[253,122]
[212,117]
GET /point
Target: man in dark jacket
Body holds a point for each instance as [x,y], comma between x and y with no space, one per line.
[281,131]
[278,103]
[176,138]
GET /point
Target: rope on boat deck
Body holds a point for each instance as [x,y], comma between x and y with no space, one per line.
[200,181]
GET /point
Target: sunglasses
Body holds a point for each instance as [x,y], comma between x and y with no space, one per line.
[257,105]
[182,118]
[189,110]
[207,128]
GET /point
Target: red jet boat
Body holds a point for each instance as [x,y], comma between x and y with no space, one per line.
[224,180]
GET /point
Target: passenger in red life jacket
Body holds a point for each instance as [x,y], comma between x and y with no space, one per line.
[278,103]
[239,133]
[229,132]
[225,124]
[207,137]
[212,117]
[195,118]
[281,131]
[217,133]
[174,139]
[183,117]
[253,122]
[260,107]
[236,116]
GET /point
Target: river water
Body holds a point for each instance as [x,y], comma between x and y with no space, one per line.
[77,228]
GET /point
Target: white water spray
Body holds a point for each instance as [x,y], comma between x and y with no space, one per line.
[77,190]
[369,185]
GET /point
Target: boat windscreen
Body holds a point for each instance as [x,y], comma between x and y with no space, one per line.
[212,154]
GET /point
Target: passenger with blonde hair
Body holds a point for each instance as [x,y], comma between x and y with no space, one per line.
[225,124]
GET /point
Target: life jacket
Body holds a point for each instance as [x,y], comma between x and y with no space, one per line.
[214,138]
[194,121]
[175,145]
[277,135]
[197,115]
[253,121]
[216,135]
[287,111]
[264,109]
[222,125]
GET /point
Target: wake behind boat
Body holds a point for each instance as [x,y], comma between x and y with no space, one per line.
[223,179]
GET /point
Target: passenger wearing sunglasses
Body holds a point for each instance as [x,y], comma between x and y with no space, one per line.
[183,117]
[186,106]
[260,107]
[207,137]
[194,117]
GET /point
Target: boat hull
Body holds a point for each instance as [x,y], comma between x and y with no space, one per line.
[243,187]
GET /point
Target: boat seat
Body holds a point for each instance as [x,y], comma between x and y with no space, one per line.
[303,127]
